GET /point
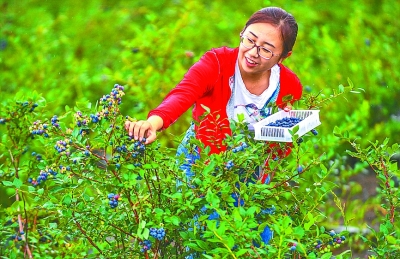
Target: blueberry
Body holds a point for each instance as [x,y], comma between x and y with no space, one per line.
[300,169]
[314,132]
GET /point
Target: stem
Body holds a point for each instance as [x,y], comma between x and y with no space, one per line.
[15,163]
[21,228]
[227,247]
[84,233]
[389,191]
[255,251]
[114,226]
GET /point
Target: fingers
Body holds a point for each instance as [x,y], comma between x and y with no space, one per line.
[140,130]
[151,136]
[287,108]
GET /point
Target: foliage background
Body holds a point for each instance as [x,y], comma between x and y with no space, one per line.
[72,51]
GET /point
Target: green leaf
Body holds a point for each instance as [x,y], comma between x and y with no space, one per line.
[327,256]
[241,252]
[323,168]
[236,215]
[143,224]
[391,240]
[212,198]
[286,222]
[67,213]
[230,241]
[209,168]
[48,205]
[298,232]
[67,199]
[16,206]
[8,183]
[203,245]
[53,225]
[341,88]
[175,220]
[17,183]
[222,228]
[337,132]
[146,233]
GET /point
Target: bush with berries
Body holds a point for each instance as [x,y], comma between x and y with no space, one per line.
[89,190]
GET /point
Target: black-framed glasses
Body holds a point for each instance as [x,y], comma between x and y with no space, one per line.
[262,51]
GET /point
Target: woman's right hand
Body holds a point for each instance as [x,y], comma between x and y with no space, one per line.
[144,128]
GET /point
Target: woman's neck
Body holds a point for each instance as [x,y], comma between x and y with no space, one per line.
[257,84]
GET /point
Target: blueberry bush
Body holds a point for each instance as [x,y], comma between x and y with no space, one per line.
[83,187]
[74,185]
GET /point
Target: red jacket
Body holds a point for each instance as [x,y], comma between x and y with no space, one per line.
[206,84]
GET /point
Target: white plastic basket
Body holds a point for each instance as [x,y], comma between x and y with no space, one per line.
[310,120]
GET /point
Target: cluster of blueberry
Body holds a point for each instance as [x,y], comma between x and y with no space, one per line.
[62,146]
[95,117]
[111,101]
[157,233]
[146,245]
[38,156]
[113,200]
[335,242]
[39,129]
[10,221]
[33,107]
[121,149]
[114,97]
[138,147]
[229,165]
[81,120]
[18,237]
[54,121]
[239,148]
[83,132]
[26,104]
[299,140]
[269,211]
[286,122]
[43,175]
[45,238]
[64,168]
[107,102]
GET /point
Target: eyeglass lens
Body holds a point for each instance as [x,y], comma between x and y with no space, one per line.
[263,52]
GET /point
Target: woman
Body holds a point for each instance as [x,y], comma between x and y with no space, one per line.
[228,82]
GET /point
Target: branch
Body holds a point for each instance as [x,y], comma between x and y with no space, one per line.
[84,233]
[21,228]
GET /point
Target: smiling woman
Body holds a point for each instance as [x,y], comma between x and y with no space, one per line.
[245,80]
[227,83]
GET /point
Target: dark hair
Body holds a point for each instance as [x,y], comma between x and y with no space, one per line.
[282,20]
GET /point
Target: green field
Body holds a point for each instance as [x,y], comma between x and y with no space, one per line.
[64,55]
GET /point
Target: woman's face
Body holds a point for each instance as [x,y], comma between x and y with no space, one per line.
[263,35]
